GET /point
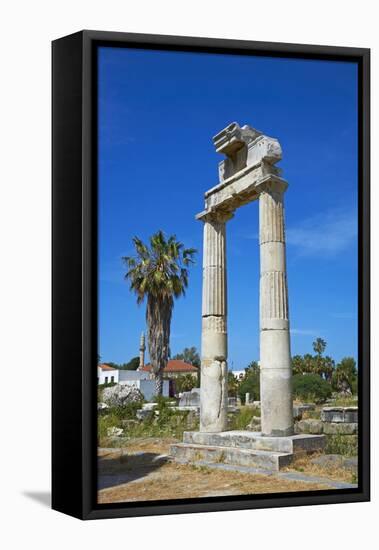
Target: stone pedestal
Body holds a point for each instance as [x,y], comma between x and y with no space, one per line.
[213,394]
[243,448]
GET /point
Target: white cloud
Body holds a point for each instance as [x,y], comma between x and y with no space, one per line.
[329,233]
[304,332]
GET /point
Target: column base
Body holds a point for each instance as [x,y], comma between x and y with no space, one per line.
[280,433]
[245,448]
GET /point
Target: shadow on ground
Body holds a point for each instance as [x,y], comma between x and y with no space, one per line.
[42,497]
[127,468]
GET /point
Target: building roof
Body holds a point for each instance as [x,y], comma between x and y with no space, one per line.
[174,365]
[104,366]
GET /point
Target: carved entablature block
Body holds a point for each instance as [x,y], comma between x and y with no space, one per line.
[248,170]
[244,147]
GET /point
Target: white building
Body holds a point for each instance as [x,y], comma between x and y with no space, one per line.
[139,379]
[238,373]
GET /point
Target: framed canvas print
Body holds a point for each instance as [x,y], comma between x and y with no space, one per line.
[210,275]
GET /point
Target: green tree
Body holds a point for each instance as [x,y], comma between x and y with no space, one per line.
[309,364]
[159,273]
[319,346]
[250,383]
[189,355]
[327,366]
[311,387]
[133,364]
[297,364]
[252,368]
[323,366]
[314,364]
[185,382]
[233,385]
[345,376]
[113,365]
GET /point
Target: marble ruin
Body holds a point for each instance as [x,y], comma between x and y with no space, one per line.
[247,174]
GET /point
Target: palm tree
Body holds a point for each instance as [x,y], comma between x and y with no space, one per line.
[159,272]
[345,375]
[319,346]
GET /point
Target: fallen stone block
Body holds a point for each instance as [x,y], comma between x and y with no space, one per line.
[332,414]
[114,432]
[190,398]
[141,414]
[149,406]
[309,426]
[339,414]
[351,414]
[340,428]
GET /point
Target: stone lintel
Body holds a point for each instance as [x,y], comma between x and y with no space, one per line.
[239,190]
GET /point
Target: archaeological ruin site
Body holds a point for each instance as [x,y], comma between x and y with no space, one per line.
[247,174]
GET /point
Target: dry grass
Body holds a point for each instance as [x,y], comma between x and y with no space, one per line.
[170,480]
[303,464]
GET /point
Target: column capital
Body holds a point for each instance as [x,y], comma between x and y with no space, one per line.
[271,184]
[216,215]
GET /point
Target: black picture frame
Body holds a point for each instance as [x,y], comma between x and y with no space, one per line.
[74,272]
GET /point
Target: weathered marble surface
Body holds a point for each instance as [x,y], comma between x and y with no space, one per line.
[339,414]
[247,173]
[190,398]
[244,448]
[314,426]
[213,394]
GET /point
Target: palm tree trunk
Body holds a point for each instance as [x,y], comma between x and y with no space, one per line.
[158,317]
[159,383]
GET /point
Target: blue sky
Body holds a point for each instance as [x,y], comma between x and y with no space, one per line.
[158,112]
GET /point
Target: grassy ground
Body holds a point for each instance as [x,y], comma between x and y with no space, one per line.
[164,422]
[304,465]
[142,471]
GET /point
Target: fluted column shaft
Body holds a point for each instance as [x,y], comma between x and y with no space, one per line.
[275,357]
[213,392]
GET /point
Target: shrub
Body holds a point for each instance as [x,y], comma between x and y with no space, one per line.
[242,419]
[250,384]
[346,445]
[185,383]
[107,421]
[311,387]
[163,422]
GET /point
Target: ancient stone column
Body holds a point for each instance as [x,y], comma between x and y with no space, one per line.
[213,392]
[275,357]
